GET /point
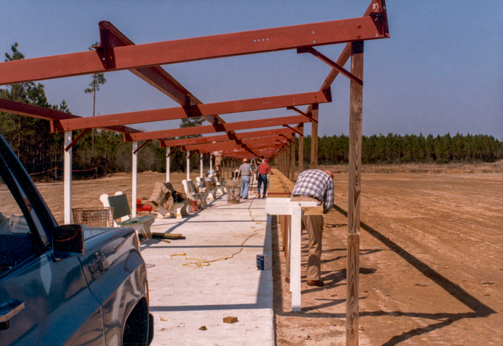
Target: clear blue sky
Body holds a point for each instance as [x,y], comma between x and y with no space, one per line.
[441,71]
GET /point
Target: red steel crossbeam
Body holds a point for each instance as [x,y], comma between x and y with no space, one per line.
[288,139]
[156,76]
[311,119]
[200,48]
[377,11]
[223,145]
[24,109]
[221,138]
[328,61]
[199,130]
[227,107]
[295,129]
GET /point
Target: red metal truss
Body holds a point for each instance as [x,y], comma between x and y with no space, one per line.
[199,130]
[227,107]
[221,138]
[250,143]
[151,54]
[51,114]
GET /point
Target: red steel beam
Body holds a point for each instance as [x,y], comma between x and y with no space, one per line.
[311,119]
[216,146]
[227,107]
[193,49]
[328,61]
[376,8]
[50,114]
[220,138]
[295,129]
[199,130]
[156,76]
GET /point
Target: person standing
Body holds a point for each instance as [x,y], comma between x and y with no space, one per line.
[263,169]
[313,185]
[245,172]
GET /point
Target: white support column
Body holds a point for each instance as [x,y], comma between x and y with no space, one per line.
[201,165]
[134,169]
[211,163]
[295,253]
[188,165]
[67,196]
[168,165]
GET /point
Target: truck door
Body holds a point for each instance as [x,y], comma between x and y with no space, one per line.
[42,301]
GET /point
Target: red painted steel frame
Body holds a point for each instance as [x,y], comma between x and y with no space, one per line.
[197,110]
[215,146]
[50,114]
[199,130]
[221,138]
[200,48]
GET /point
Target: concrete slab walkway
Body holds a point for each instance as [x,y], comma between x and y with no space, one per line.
[185,296]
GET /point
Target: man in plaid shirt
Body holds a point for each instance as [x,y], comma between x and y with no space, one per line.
[313,185]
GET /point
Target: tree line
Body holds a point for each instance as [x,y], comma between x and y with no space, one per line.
[396,149]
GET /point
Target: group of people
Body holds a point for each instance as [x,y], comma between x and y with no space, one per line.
[245,172]
[311,185]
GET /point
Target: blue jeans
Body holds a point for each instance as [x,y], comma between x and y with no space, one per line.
[262,178]
[245,185]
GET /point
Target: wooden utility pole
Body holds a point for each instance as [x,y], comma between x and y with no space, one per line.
[354,190]
[301,148]
[314,136]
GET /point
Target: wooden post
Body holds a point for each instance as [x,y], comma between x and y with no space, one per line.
[314,137]
[354,189]
[292,159]
[301,148]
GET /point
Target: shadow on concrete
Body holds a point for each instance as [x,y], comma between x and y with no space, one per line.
[265,287]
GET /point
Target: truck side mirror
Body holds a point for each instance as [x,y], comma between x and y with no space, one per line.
[67,241]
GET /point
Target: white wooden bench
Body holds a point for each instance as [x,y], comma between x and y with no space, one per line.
[193,194]
[122,211]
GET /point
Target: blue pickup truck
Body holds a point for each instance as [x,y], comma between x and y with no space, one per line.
[65,285]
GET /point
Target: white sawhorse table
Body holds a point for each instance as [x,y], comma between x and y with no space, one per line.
[284,206]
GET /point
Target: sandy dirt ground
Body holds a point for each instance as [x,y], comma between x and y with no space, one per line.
[431,259]
[431,265]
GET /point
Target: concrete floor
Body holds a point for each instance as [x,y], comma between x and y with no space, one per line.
[185,297]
